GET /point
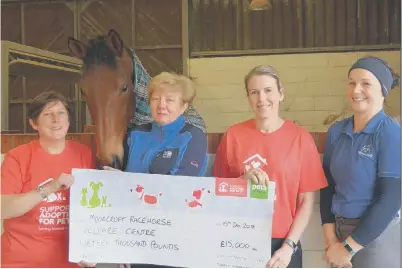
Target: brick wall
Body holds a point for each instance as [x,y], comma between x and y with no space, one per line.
[315,86]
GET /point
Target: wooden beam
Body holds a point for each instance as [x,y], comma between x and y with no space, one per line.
[246,25]
[70,6]
[4,86]
[29,100]
[35,1]
[133,23]
[185,47]
[41,53]
[157,47]
[84,5]
[294,50]
[239,29]
[24,79]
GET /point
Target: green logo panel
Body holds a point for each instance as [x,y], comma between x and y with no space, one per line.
[258,191]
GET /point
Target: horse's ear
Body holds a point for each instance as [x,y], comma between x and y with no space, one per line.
[116,42]
[77,48]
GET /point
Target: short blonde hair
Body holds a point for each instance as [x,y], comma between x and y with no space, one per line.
[185,85]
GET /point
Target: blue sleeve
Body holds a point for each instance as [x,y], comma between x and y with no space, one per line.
[194,158]
[387,202]
[327,193]
[389,156]
[387,195]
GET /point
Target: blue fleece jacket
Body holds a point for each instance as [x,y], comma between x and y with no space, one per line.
[177,148]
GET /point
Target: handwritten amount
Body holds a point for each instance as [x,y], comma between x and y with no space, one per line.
[230,244]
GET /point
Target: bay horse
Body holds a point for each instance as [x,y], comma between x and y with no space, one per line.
[107,83]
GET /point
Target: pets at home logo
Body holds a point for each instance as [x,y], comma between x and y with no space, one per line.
[255,161]
[94,198]
[258,191]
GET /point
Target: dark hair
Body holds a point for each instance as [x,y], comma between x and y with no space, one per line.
[40,101]
[397,78]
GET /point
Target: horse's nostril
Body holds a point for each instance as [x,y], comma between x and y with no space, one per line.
[116,163]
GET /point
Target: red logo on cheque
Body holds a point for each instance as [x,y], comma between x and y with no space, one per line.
[231,187]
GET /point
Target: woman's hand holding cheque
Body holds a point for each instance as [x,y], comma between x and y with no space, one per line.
[282,256]
[257,176]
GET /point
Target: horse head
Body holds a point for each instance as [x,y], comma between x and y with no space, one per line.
[106,82]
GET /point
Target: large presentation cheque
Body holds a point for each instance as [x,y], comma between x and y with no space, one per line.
[118,217]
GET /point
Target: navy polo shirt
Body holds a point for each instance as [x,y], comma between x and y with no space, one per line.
[357,160]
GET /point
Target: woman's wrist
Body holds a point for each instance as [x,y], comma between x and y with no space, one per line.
[51,187]
[329,232]
[330,238]
[288,248]
[353,244]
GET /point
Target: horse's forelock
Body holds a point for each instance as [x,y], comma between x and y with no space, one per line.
[99,53]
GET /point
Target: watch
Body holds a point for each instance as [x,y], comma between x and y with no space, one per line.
[349,248]
[291,244]
[41,191]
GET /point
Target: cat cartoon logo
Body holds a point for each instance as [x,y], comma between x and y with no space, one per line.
[95,200]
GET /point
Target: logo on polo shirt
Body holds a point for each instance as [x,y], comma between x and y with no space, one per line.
[167,154]
[366,151]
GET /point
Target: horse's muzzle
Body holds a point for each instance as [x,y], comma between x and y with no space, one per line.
[116,162]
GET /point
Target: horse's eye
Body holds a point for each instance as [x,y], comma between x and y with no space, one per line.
[124,88]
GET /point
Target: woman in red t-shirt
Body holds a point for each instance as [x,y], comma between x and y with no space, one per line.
[35,181]
[270,148]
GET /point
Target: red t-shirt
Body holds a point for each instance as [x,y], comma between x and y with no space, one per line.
[40,237]
[289,156]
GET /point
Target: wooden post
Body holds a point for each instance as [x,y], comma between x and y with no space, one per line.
[4,86]
[185,50]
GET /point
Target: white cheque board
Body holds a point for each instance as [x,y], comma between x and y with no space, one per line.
[118,217]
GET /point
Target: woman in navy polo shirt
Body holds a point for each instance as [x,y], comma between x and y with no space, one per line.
[359,208]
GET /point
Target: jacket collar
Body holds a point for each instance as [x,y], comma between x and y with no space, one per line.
[174,126]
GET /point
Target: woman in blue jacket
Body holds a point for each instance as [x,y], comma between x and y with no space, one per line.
[168,145]
[362,163]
